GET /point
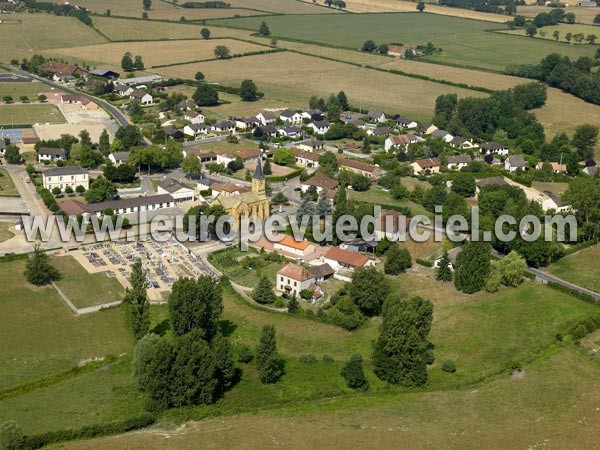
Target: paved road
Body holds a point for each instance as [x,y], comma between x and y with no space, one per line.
[546,277]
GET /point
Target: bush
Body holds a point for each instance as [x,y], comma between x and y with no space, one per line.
[245,354]
[278,303]
[327,358]
[309,358]
[424,262]
[449,366]
[11,436]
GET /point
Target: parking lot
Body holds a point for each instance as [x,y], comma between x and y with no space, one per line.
[164,262]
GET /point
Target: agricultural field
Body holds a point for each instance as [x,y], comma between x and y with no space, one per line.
[41,336]
[29,89]
[582,15]
[29,114]
[99,288]
[581,268]
[463,41]
[7,187]
[414,97]
[157,53]
[36,32]
[284,6]
[546,33]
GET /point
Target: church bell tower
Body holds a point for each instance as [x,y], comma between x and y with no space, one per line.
[258,180]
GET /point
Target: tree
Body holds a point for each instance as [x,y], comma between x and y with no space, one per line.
[584,196]
[464,184]
[138,64]
[129,136]
[147,4]
[531,30]
[584,140]
[293,305]
[368,46]
[343,100]
[7,99]
[206,95]
[284,157]
[199,76]
[56,190]
[248,91]
[12,154]
[324,207]
[472,267]
[127,62]
[267,359]
[444,272]
[137,298]
[222,52]
[104,142]
[328,164]
[354,374]
[191,165]
[306,209]
[568,37]
[520,21]
[42,98]
[401,351]
[382,49]
[264,29]
[205,33]
[100,190]
[225,372]
[368,290]
[267,167]
[12,436]
[397,260]
[263,292]
[144,15]
[591,38]
[196,305]
[570,17]
[433,197]
[421,6]
[39,270]
[556,35]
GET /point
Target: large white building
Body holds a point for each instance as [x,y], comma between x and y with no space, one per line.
[63,177]
[179,192]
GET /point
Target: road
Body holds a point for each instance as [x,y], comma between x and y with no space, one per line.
[547,277]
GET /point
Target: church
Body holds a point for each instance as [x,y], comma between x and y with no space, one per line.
[253,203]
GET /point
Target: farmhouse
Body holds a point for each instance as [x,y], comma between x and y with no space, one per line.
[63,177]
[293,279]
[194,117]
[320,182]
[55,67]
[296,248]
[320,127]
[457,162]
[143,97]
[361,168]
[515,162]
[179,192]
[426,166]
[290,117]
[103,73]
[51,154]
[118,158]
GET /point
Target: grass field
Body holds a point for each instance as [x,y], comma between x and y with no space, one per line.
[283,6]
[16,90]
[555,188]
[39,335]
[564,112]
[29,114]
[550,407]
[563,28]
[5,233]
[7,187]
[378,196]
[464,41]
[99,288]
[582,15]
[581,268]
[157,53]
[39,31]
[310,76]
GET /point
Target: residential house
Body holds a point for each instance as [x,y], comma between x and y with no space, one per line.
[461,143]
[290,132]
[312,114]
[311,145]
[358,245]
[428,128]
[403,122]
[443,135]
[380,131]
[322,272]
[340,259]
[78,99]
[293,279]
[247,156]
[401,142]
[173,133]
[358,123]
[493,147]
[179,192]
[195,117]
[143,97]
[224,126]
[550,201]
[55,67]
[592,171]
[500,181]
[228,189]
[320,181]
[246,123]
[196,129]
[290,117]
[63,177]
[452,254]
[361,168]
[265,130]
[376,116]
[556,167]
[515,162]
[187,105]
[426,166]
[51,154]
[118,158]
[63,77]
[266,117]
[293,247]
[457,162]
[122,90]
[306,159]
[204,157]
[103,73]
[320,127]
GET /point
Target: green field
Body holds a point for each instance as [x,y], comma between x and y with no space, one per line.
[378,196]
[581,268]
[5,233]
[563,28]
[30,114]
[7,187]
[39,335]
[16,90]
[99,288]
[463,41]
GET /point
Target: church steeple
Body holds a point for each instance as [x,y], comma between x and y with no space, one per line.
[258,180]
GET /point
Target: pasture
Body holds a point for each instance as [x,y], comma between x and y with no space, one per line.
[284,6]
[547,33]
[30,113]
[157,53]
[42,31]
[582,15]
[5,233]
[571,268]
[29,89]
[41,336]
[464,42]
[310,76]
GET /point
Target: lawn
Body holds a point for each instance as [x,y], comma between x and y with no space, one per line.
[546,33]
[581,268]
[7,187]
[231,263]
[5,233]
[85,289]
[30,114]
[464,41]
[39,335]
[29,89]
[378,196]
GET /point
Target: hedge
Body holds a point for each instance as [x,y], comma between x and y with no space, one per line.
[580,246]
[424,262]
[287,177]
[567,290]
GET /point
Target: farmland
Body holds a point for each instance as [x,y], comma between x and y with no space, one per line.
[39,31]
[546,33]
[271,72]
[156,53]
[464,42]
[582,15]
[29,114]
[571,267]
[16,90]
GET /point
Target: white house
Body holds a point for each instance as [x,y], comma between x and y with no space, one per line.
[293,279]
[401,142]
[426,166]
[493,147]
[340,259]
[320,126]
[515,162]
[194,117]
[246,123]
[196,129]
[118,158]
[311,145]
[443,135]
[179,192]
[461,143]
[295,248]
[123,90]
[290,132]
[452,254]
[457,162]
[266,117]
[224,126]
[143,97]
[51,154]
[306,159]
[290,117]
[376,116]
[403,122]
[63,177]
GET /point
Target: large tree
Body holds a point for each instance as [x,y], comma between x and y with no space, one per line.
[191,165]
[464,184]
[248,91]
[264,29]
[397,260]
[472,267]
[222,52]
[368,290]
[129,136]
[39,270]
[583,195]
[100,190]
[444,272]
[354,374]
[137,298]
[127,62]
[268,362]
[584,140]
[263,292]
[400,354]
[206,95]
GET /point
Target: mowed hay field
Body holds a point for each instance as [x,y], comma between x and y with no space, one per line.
[30,89]
[157,53]
[563,29]
[30,113]
[42,31]
[582,15]
[284,6]
[295,78]
[463,41]
[570,268]
[564,112]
